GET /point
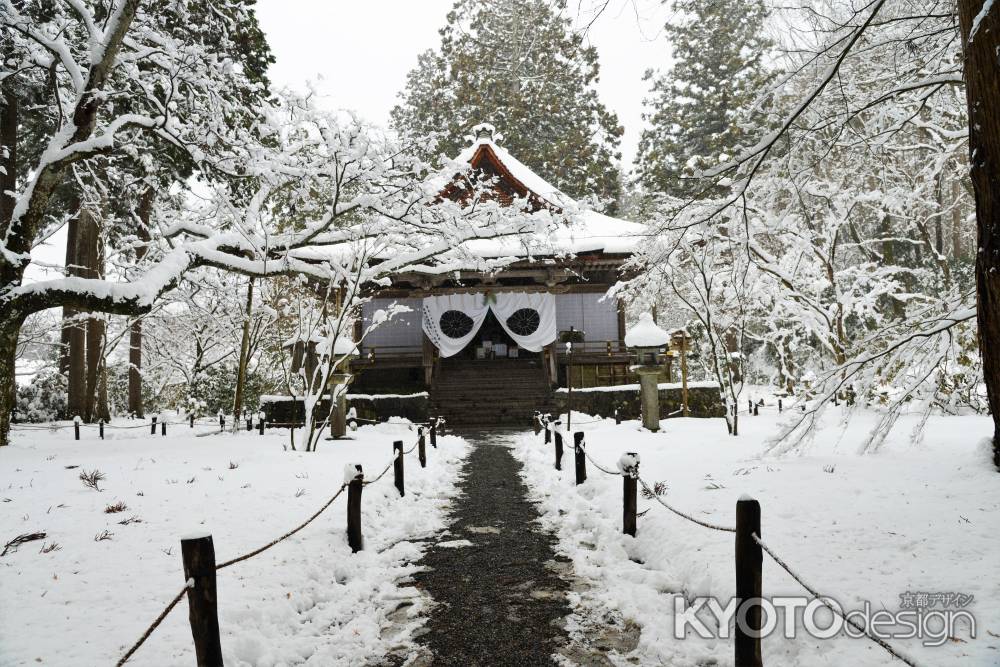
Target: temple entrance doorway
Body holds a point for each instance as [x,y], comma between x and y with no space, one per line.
[491,342]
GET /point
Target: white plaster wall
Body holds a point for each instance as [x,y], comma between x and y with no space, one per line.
[402,330]
[598,319]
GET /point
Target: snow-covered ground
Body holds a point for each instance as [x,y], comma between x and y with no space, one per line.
[307,600]
[910,518]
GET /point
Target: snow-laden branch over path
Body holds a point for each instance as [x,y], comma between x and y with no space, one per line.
[305,601]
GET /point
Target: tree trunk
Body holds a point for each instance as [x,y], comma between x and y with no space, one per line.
[982,89]
[92,257]
[135,331]
[241,373]
[76,332]
[9,328]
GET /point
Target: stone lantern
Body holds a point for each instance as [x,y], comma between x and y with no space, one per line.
[646,341]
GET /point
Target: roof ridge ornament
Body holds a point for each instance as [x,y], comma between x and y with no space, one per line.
[485,131]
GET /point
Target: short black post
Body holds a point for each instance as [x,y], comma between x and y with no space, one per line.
[630,495]
[749,559]
[434,434]
[397,466]
[199,564]
[421,447]
[222,420]
[260,423]
[191,420]
[537,422]
[749,405]
[559,447]
[152,426]
[618,417]
[756,406]
[163,428]
[76,428]
[780,405]
[581,460]
[354,488]
[249,424]
[548,431]
[100,429]
[803,407]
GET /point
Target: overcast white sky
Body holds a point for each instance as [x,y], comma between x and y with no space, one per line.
[358,52]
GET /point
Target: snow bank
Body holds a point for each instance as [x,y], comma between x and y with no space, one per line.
[911,518]
[306,601]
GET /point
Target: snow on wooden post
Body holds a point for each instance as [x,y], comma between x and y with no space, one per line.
[152,426]
[397,466]
[222,420]
[421,447]
[559,446]
[76,427]
[260,422]
[628,465]
[434,438]
[618,418]
[354,477]
[100,429]
[749,560]
[198,554]
[581,460]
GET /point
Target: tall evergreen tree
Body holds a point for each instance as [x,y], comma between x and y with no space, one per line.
[698,110]
[519,65]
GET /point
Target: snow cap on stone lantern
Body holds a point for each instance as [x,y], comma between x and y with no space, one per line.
[647,338]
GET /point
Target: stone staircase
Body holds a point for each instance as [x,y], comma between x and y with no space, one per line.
[492,392]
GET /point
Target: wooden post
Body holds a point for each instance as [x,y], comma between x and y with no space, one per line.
[548,431]
[749,560]
[354,488]
[559,447]
[684,376]
[152,426]
[100,429]
[163,428]
[191,420]
[249,423]
[749,405]
[222,420]
[756,406]
[260,422]
[198,553]
[581,460]
[780,406]
[76,428]
[618,418]
[434,439]
[421,447]
[630,495]
[537,423]
[397,466]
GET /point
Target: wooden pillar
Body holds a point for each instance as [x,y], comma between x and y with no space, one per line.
[749,559]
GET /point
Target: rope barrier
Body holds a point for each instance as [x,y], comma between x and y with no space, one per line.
[155,624]
[679,513]
[285,536]
[598,465]
[878,640]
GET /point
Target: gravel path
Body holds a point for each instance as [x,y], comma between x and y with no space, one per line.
[499,601]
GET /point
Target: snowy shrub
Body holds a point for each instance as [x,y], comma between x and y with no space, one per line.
[43,400]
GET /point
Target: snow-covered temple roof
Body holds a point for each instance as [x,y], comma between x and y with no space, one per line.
[588,231]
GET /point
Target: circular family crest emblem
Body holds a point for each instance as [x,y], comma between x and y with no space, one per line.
[455,324]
